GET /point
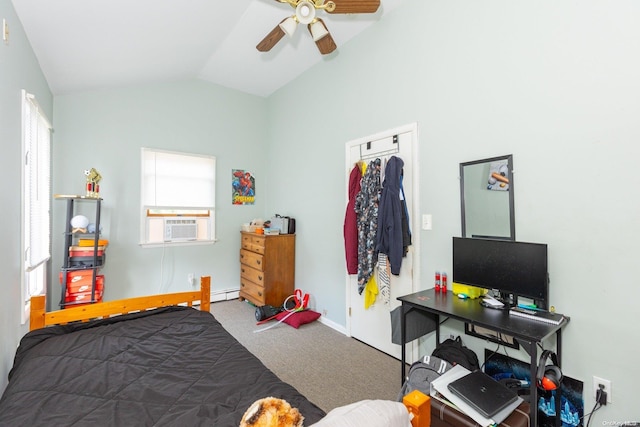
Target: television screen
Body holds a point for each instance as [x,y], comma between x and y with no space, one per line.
[516,268]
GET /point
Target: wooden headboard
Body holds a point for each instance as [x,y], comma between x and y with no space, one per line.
[40,317]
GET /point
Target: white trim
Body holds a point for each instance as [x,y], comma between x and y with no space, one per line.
[334,325]
[32,98]
[174,244]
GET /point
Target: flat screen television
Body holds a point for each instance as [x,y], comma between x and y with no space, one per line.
[513,268]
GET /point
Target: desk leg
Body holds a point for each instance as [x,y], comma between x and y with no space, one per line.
[403,340]
[558,395]
[533,388]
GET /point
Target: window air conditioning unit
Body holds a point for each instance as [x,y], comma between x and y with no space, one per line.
[176,230]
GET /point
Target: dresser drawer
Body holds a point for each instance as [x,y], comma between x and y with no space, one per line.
[253,247]
[251,274]
[253,239]
[258,240]
[252,259]
[252,292]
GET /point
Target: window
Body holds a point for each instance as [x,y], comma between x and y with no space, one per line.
[178,198]
[36,179]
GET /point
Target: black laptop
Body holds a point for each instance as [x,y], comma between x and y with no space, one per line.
[483,393]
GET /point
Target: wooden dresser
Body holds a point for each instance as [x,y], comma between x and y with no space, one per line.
[267,268]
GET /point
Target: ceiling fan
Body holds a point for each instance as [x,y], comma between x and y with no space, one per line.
[305,13]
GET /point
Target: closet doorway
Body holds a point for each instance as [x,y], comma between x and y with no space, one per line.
[373,325]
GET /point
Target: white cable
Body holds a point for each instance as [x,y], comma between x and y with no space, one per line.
[276,324]
[284,305]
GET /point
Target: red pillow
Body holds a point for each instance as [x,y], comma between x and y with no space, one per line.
[298,318]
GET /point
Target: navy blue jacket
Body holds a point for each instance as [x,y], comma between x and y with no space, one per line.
[389,236]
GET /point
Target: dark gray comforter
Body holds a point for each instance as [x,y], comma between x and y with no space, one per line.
[167,367]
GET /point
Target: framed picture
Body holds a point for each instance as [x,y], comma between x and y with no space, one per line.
[243,187]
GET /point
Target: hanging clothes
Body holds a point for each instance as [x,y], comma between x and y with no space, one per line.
[350,227]
[370,292]
[384,278]
[366,208]
[406,229]
[389,239]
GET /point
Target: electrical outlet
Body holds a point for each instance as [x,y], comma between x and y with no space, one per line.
[607,387]
[191,278]
[324,313]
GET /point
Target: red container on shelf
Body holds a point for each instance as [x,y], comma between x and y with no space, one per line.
[84,251]
[80,281]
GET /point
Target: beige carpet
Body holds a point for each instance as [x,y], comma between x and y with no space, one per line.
[329,368]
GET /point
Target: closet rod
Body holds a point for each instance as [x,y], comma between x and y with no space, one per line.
[378,154]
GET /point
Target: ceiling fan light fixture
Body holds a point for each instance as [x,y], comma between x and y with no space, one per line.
[305,12]
[318,30]
[289,26]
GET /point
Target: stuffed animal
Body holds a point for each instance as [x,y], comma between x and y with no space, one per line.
[271,412]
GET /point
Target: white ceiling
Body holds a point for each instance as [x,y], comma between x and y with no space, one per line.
[90,44]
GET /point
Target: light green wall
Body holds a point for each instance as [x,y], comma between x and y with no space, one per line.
[19,70]
[556,84]
[105,130]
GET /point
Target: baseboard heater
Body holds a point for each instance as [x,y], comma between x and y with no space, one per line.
[225,295]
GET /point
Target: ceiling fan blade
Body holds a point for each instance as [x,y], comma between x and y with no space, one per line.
[355,6]
[325,43]
[271,39]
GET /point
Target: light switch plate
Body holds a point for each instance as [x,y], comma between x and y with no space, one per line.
[427,222]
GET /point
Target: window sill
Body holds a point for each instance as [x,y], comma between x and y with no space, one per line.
[175,244]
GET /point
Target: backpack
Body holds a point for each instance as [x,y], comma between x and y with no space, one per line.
[421,373]
[454,352]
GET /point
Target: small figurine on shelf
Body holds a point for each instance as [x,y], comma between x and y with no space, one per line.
[93,178]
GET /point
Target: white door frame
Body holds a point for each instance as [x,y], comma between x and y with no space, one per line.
[411,128]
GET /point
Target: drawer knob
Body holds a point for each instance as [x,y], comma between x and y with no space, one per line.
[258,262]
[259,294]
[259,277]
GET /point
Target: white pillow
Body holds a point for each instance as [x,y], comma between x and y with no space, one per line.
[367,413]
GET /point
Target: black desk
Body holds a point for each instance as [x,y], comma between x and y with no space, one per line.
[528,332]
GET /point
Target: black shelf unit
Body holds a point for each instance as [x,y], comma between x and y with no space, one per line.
[97,262]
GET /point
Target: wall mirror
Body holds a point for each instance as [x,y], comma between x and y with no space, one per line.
[486,198]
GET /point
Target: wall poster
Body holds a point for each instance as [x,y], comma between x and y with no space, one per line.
[243,187]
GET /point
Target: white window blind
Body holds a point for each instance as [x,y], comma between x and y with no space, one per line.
[177,180]
[36,189]
[36,200]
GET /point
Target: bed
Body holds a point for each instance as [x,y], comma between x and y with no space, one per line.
[146,361]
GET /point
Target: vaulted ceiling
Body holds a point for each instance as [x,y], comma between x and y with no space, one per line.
[84,45]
